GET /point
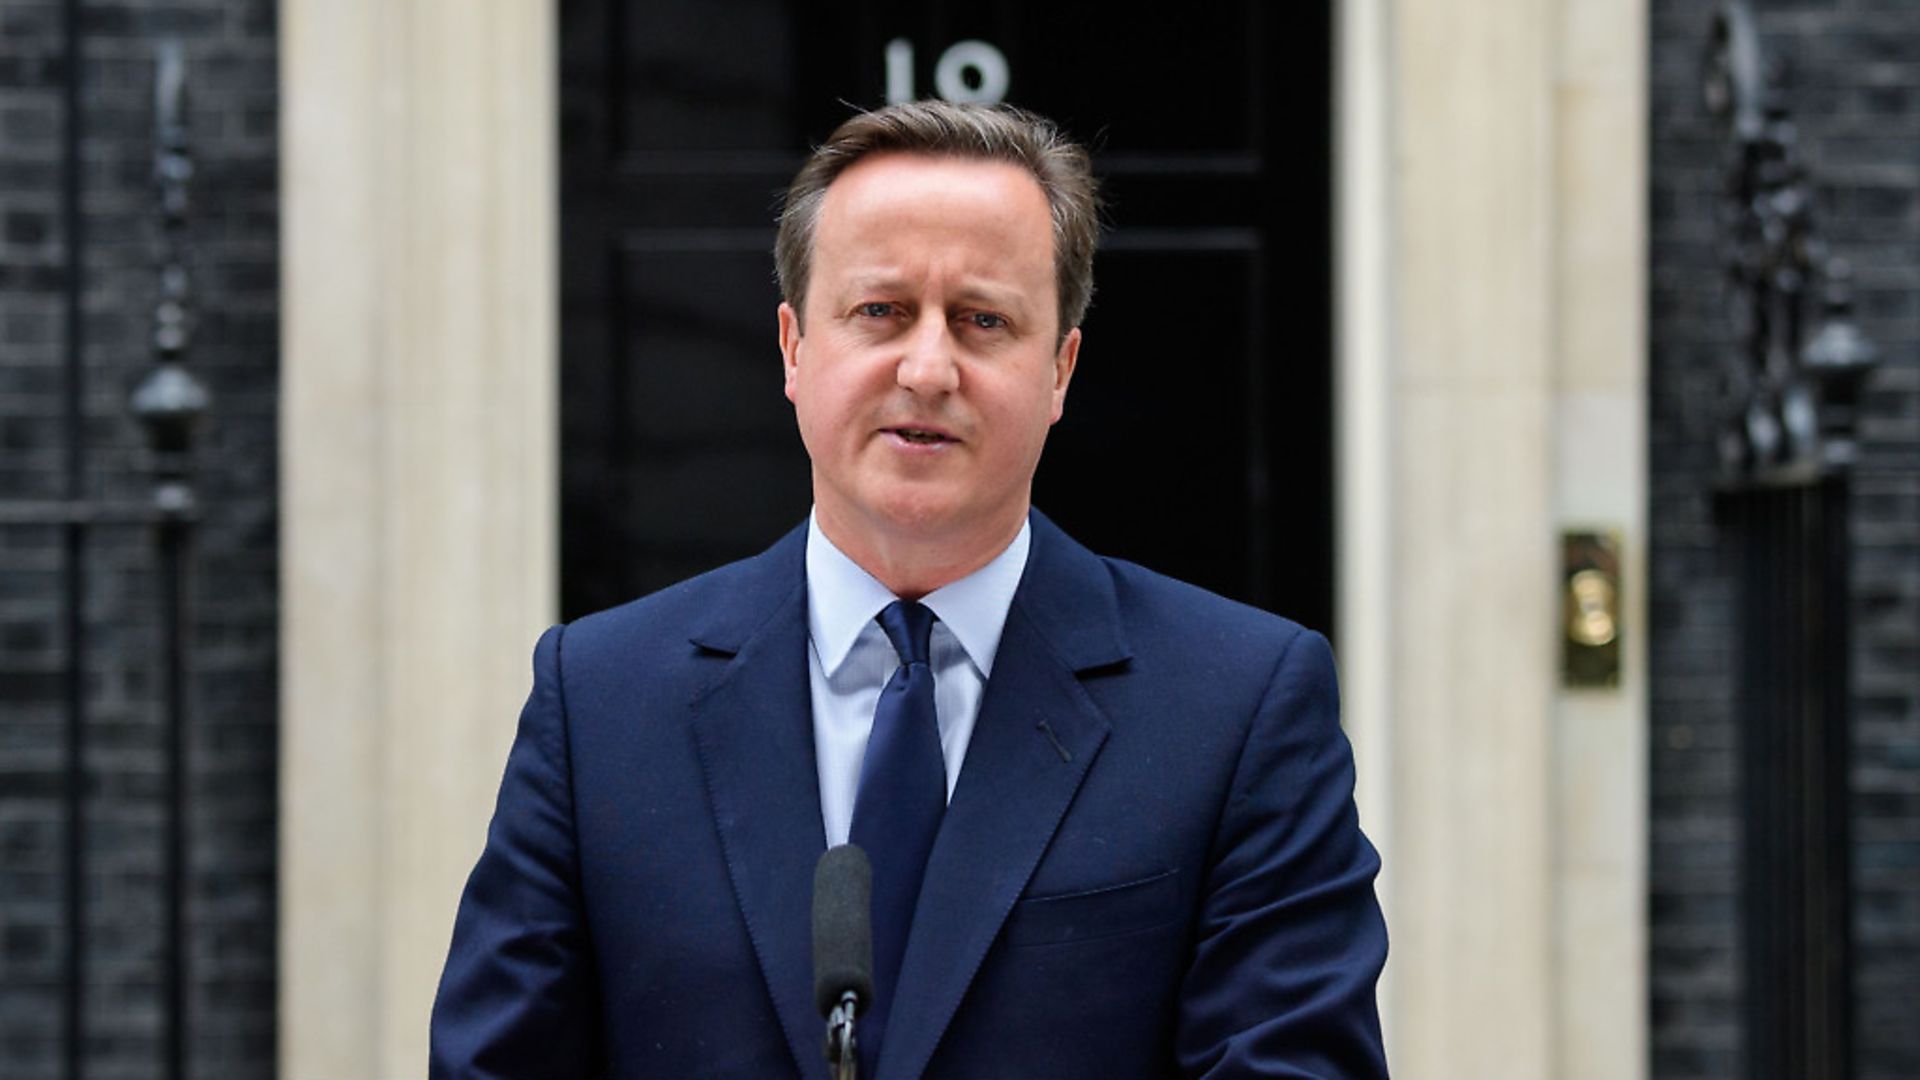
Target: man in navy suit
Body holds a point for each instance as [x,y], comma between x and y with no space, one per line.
[1112,813]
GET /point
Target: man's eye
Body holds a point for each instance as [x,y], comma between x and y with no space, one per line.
[986,320]
[877,309]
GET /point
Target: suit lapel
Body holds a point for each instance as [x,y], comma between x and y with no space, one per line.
[1037,735]
[754,732]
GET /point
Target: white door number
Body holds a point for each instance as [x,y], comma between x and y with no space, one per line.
[987,65]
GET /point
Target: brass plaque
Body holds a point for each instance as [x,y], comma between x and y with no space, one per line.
[1590,609]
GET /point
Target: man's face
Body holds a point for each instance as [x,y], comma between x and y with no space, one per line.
[928,373]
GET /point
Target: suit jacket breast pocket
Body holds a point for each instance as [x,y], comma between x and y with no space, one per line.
[1095,913]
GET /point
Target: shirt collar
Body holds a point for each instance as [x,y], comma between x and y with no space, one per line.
[843,599]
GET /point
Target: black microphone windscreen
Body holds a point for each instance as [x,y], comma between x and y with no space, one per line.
[842,928]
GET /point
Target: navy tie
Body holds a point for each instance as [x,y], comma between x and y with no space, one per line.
[903,793]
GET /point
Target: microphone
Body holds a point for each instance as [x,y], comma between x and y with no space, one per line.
[842,949]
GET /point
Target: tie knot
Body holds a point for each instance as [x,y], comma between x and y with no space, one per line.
[909,625]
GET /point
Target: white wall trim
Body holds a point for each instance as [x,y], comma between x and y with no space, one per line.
[418,488]
[1364,345]
[1490,360]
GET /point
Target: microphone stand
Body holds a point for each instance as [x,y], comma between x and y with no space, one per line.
[842,950]
[841,1047]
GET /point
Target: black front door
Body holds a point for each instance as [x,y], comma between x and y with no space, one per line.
[1197,438]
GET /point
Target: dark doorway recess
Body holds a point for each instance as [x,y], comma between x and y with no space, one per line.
[1197,438]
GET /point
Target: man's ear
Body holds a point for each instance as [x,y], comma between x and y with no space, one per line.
[789,345]
[1063,364]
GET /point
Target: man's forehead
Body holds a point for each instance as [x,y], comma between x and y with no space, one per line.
[932,185]
[883,210]
[978,230]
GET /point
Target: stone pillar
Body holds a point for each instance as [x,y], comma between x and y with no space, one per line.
[1600,764]
[1491,394]
[418,511]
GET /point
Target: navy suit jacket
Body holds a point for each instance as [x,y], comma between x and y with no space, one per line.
[1150,866]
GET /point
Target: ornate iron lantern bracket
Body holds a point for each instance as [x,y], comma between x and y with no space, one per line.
[1789,408]
[170,400]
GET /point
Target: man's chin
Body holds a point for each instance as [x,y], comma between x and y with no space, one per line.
[919,514]
[945,521]
[917,518]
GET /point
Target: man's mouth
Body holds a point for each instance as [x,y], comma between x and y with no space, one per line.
[922,436]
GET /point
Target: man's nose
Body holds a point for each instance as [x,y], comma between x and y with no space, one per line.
[928,365]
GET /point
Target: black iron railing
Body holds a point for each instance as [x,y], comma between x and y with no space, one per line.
[1786,440]
[168,402]
[1792,545]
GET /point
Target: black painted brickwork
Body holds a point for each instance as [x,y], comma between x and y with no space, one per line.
[232,55]
[1856,95]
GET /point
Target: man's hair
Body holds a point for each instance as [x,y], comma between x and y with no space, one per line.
[946,129]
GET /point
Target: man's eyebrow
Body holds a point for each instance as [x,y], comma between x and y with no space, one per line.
[874,281]
[999,296]
[986,293]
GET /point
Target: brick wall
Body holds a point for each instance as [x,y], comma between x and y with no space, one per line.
[233,254]
[1855,92]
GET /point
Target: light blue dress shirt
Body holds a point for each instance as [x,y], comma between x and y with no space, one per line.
[850,660]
